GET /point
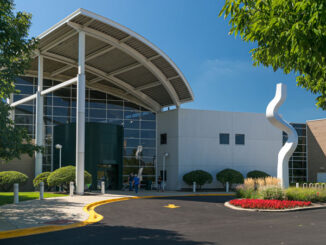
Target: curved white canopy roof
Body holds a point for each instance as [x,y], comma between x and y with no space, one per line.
[118,61]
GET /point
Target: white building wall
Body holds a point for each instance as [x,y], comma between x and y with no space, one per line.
[167,123]
[195,144]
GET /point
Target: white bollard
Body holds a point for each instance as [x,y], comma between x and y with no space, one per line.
[16,193]
[103,187]
[194,187]
[296,185]
[227,186]
[41,190]
[71,188]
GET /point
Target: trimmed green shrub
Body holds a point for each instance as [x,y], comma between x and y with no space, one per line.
[272,193]
[42,177]
[62,177]
[9,178]
[229,175]
[255,174]
[199,176]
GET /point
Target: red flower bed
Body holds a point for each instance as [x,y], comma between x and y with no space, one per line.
[268,204]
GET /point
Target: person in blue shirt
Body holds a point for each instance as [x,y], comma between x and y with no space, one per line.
[136,183]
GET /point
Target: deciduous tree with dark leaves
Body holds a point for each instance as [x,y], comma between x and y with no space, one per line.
[15,52]
[290,35]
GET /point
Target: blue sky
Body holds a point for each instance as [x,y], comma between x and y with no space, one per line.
[217,66]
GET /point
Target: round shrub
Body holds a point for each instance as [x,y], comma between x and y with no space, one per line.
[42,177]
[9,178]
[229,175]
[62,176]
[199,176]
[255,174]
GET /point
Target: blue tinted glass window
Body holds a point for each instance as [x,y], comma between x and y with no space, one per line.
[131,133]
[239,139]
[148,124]
[25,89]
[148,134]
[131,143]
[148,142]
[115,114]
[224,139]
[131,124]
[97,113]
[147,115]
[132,115]
[116,105]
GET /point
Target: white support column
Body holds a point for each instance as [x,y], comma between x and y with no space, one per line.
[80,122]
[39,117]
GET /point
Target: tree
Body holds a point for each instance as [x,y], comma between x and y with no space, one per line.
[290,35]
[15,52]
[201,177]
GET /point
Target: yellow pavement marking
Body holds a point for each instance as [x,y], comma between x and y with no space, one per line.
[93,217]
[171,206]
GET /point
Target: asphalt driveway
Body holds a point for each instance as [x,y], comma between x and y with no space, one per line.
[189,221]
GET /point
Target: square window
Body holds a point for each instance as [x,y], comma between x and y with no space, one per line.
[164,139]
[239,139]
[224,139]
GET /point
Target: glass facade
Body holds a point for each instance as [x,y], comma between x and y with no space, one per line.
[60,108]
[298,160]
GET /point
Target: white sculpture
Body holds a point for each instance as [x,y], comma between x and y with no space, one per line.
[276,120]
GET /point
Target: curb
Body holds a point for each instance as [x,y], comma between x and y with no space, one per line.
[93,217]
[316,206]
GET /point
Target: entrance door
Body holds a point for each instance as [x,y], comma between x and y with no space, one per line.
[109,174]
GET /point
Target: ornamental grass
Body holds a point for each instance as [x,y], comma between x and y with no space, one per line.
[268,204]
[269,189]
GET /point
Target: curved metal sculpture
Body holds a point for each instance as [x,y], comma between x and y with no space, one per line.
[277,121]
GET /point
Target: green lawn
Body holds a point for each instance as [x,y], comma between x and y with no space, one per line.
[8,197]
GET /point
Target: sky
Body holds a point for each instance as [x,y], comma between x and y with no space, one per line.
[217,66]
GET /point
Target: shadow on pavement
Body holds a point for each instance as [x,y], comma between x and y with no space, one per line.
[33,212]
[103,234]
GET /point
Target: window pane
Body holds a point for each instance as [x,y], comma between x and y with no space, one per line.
[148,143]
[239,139]
[98,104]
[133,115]
[148,134]
[25,89]
[148,125]
[147,115]
[130,133]
[131,143]
[117,105]
[131,124]
[24,119]
[163,139]
[224,139]
[98,113]
[115,114]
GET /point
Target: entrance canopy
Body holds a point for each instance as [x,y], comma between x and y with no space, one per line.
[118,61]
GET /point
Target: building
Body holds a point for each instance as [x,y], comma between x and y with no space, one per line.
[215,140]
[316,150]
[101,90]
[298,160]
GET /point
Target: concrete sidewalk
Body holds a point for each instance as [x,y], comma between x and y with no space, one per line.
[63,210]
